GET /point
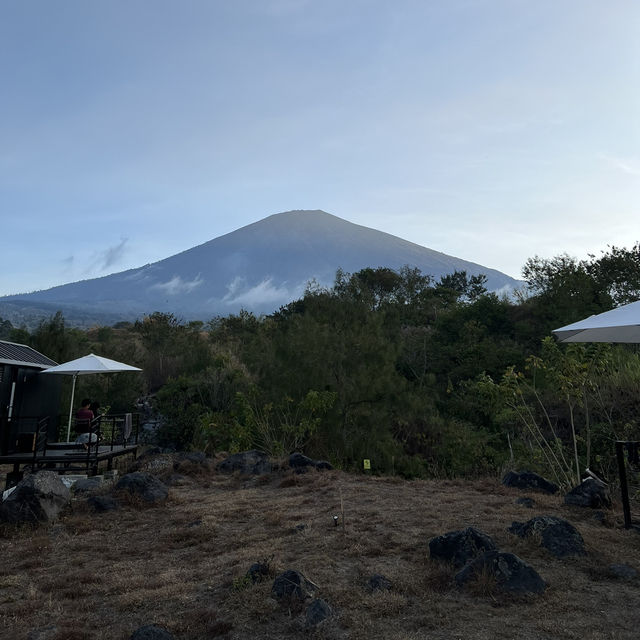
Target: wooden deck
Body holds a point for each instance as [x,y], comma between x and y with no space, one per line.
[65,457]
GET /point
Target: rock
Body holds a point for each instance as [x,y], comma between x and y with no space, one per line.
[510,573]
[197,457]
[103,503]
[144,485]
[526,502]
[299,462]
[151,632]
[247,463]
[528,480]
[194,458]
[624,571]
[317,611]
[557,535]
[258,571]
[589,493]
[86,484]
[378,582]
[39,497]
[458,547]
[292,585]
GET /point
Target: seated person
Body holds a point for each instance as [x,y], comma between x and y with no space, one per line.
[84,416]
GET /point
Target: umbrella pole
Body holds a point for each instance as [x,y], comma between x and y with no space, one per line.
[73,391]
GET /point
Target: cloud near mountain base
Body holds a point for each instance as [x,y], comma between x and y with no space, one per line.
[264,293]
[176,285]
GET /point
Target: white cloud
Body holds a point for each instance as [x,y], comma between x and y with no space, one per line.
[261,294]
[177,285]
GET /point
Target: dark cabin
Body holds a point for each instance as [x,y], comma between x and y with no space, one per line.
[25,396]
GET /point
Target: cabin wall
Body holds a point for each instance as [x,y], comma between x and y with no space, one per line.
[35,396]
[8,375]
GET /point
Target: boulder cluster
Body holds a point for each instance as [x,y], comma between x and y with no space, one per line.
[254,462]
[40,497]
[475,555]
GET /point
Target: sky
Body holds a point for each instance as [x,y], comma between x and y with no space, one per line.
[491,130]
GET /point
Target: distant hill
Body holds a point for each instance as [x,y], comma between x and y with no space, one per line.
[258,267]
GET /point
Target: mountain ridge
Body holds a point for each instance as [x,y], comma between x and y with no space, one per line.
[258,267]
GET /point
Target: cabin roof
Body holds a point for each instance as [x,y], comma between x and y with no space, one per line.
[16,354]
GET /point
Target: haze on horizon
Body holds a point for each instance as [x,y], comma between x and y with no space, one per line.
[490,130]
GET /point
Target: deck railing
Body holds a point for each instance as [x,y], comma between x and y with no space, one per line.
[112,428]
[117,429]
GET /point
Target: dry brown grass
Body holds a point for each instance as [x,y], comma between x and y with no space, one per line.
[100,576]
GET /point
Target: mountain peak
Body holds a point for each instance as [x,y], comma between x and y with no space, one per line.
[258,267]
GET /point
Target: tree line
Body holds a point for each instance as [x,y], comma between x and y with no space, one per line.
[423,377]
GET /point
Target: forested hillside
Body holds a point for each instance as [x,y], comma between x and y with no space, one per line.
[422,377]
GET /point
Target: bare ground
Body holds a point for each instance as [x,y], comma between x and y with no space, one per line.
[182,564]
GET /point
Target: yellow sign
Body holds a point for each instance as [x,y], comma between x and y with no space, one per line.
[367,465]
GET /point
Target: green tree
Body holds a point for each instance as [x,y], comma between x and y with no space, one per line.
[6,329]
[171,348]
[54,339]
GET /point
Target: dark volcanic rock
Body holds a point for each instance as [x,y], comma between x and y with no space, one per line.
[144,485]
[510,573]
[190,459]
[589,493]
[152,632]
[249,463]
[458,547]
[557,535]
[300,462]
[528,480]
[378,582]
[197,457]
[258,571]
[37,498]
[292,585]
[317,611]
[84,485]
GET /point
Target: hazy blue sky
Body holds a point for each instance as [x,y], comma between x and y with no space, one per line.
[492,130]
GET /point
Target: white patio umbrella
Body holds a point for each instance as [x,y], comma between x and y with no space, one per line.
[618,325]
[84,366]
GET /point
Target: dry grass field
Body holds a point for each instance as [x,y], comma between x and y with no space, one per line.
[182,564]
